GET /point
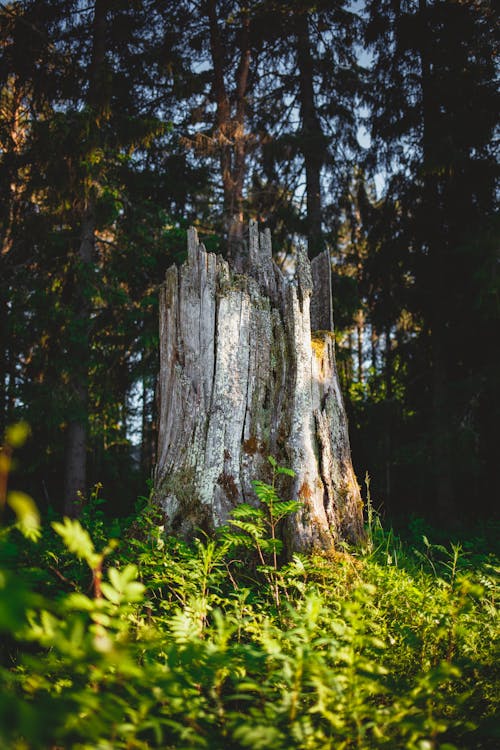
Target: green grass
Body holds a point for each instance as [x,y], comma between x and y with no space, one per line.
[146,642]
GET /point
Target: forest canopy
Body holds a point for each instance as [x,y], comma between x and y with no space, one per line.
[369,129]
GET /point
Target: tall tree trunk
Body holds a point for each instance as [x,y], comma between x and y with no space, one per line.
[441,427]
[15,121]
[230,131]
[240,140]
[4,357]
[388,426]
[373,346]
[245,374]
[435,240]
[313,140]
[14,114]
[360,328]
[75,477]
[148,437]
[350,360]
[223,116]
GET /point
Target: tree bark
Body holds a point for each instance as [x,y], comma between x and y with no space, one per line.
[75,477]
[75,469]
[313,141]
[436,241]
[4,357]
[16,129]
[230,134]
[242,377]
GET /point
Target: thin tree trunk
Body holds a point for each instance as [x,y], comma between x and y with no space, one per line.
[312,138]
[15,114]
[230,132]
[350,365]
[75,477]
[373,342]
[147,428]
[75,480]
[360,324]
[388,427]
[243,377]
[436,244]
[4,360]
[223,116]
[16,128]
[441,438]
[240,148]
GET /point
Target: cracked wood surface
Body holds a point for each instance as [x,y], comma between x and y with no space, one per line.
[243,377]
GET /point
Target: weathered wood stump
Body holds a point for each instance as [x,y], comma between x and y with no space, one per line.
[243,377]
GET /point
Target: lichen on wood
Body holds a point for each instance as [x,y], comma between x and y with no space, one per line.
[243,377]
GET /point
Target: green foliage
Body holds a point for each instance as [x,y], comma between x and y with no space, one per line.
[257,527]
[167,645]
[25,510]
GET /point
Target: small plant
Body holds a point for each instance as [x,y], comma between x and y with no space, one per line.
[258,527]
[379,541]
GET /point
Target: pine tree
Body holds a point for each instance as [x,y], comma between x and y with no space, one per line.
[433,118]
[89,125]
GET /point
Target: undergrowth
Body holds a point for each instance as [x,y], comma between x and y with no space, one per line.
[141,641]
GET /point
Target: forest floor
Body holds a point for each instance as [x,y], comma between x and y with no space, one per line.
[117,639]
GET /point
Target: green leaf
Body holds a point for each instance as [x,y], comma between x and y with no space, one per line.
[258,736]
[77,540]
[122,586]
[265,492]
[28,518]
[79,602]
[17,434]
[255,530]
[285,508]
[111,594]
[244,511]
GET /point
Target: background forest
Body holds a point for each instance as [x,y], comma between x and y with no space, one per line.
[367,128]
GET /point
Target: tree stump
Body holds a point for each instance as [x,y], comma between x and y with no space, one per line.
[244,376]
